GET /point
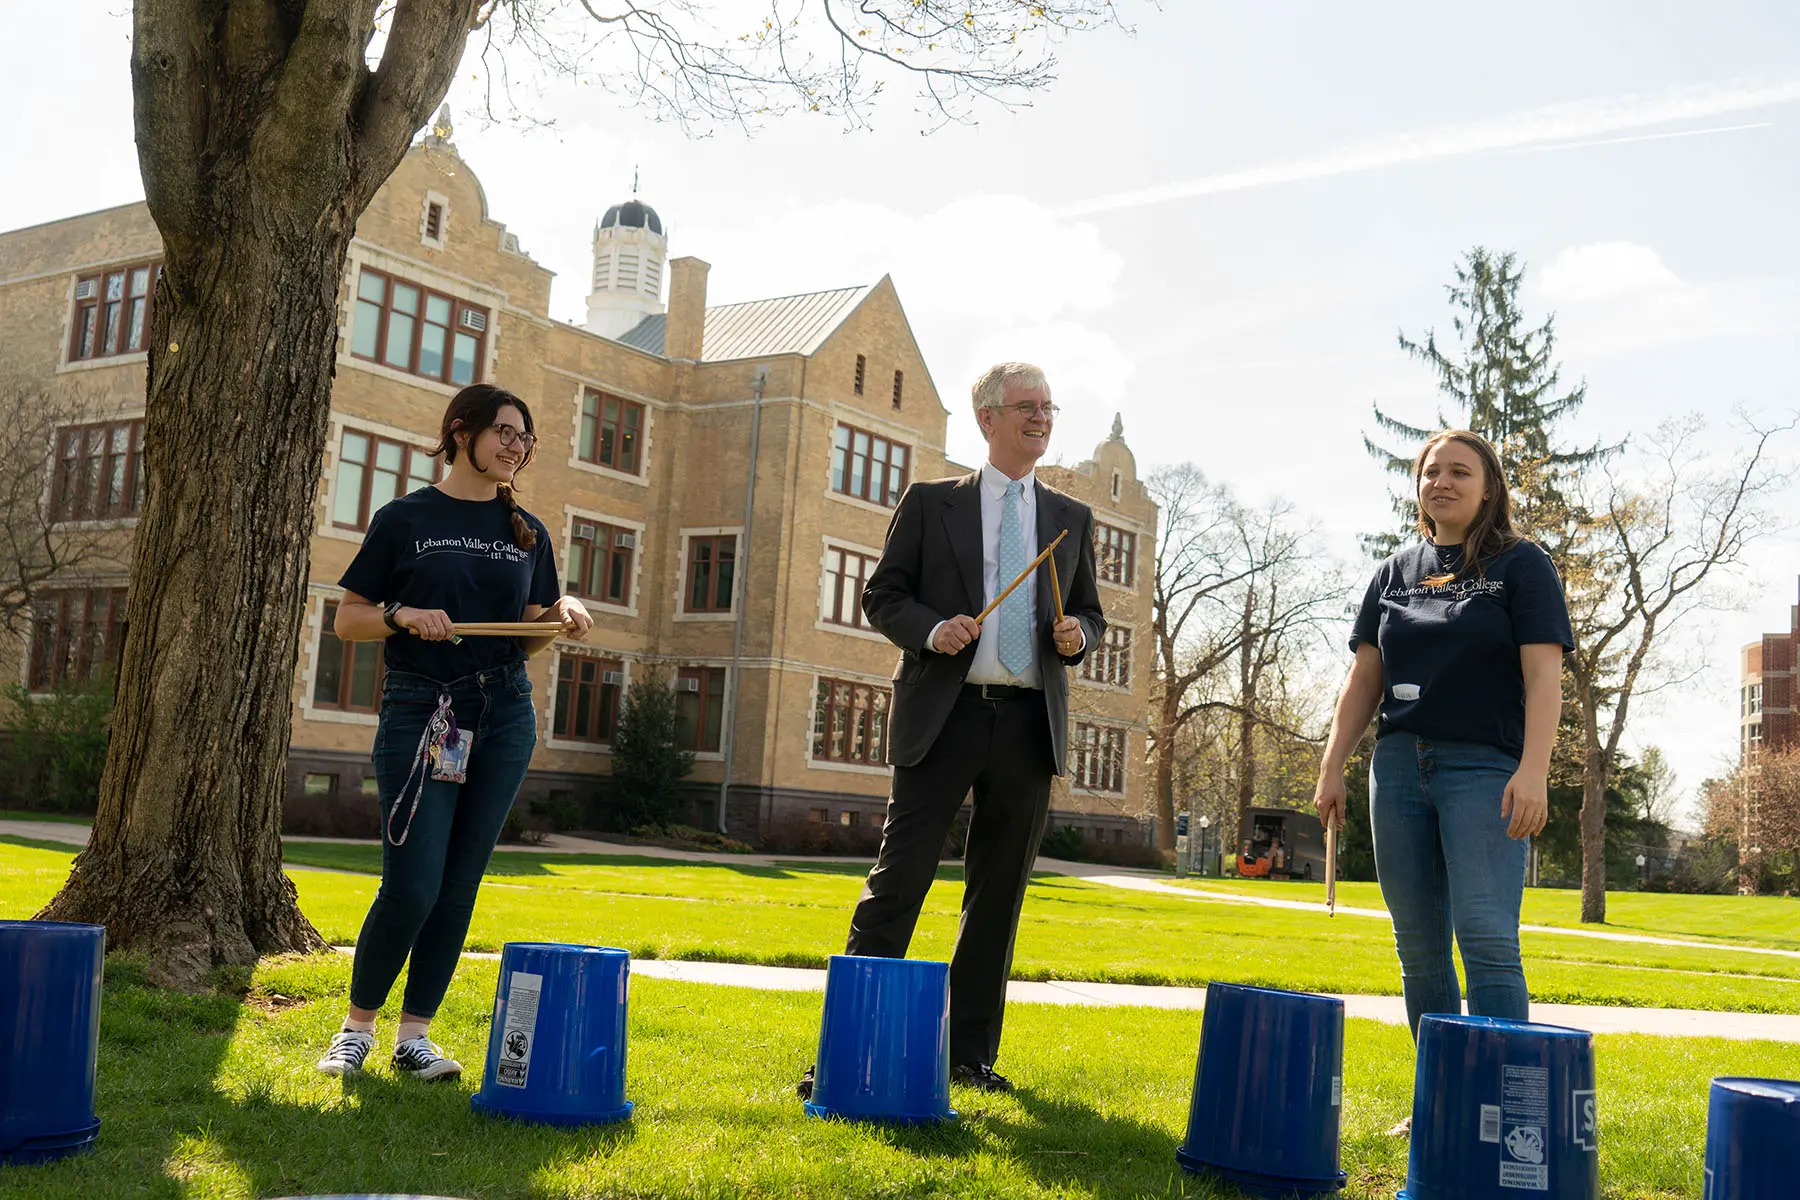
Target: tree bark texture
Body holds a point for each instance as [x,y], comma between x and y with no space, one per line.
[262,136]
[1247,686]
[1169,714]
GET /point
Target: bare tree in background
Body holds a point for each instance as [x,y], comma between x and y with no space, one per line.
[38,548]
[263,132]
[1235,587]
[1642,565]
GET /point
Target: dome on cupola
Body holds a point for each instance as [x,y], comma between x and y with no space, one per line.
[633,214]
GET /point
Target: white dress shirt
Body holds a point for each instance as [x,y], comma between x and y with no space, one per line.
[987,667]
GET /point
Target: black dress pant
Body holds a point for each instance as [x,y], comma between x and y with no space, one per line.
[1001,750]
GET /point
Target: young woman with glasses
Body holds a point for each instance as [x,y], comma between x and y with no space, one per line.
[1459,646]
[457,726]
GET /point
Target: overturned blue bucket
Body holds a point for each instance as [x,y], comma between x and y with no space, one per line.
[1268,1091]
[556,1050]
[884,1041]
[49,1038]
[1752,1139]
[1502,1109]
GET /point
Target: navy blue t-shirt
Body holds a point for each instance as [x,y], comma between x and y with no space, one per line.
[431,550]
[1450,654]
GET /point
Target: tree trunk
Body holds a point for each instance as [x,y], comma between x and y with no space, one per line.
[1593,837]
[1165,771]
[1749,881]
[261,135]
[185,858]
[1246,773]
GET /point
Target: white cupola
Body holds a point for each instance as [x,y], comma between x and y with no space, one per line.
[630,252]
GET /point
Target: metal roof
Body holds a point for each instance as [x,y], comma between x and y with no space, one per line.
[756,328]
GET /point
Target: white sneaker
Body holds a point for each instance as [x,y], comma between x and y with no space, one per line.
[419,1058]
[349,1049]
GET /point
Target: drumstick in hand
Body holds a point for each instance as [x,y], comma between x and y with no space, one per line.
[1331,869]
[1023,576]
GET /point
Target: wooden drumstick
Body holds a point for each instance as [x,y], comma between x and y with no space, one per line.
[1055,587]
[1331,869]
[1023,576]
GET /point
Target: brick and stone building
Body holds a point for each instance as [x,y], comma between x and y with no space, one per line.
[1766,699]
[719,479]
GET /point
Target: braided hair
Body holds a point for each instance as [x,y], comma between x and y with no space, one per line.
[471,411]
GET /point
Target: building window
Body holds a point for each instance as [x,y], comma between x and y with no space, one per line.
[711,566]
[899,382]
[434,221]
[370,787]
[862,368]
[849,819]
[868,467]
[818,815]
[1753,699]
[600,558]
[414,329]
[1116,551]
[699,707]
[75,635]
[373,470]
[1115,485]
[1099,758]
[99,472]
[840,591]
[112,311]
[850,723]
[349,674]
[1110,660]
[587,697]
[611,431]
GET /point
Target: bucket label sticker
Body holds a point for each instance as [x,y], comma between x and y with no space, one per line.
[1584,1125]
[1337,1091]
[514,1065]
[1524,1128]
[1490,1123]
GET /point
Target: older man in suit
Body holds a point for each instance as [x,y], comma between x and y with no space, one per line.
[982,707]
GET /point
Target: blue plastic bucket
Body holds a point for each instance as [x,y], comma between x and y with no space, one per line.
[1752,1139]
[1502,1110]
[556,1051]
[884,1041]
[1268,1091]
[49,1038]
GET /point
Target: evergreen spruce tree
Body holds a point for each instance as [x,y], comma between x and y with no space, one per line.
[648,765]
[1503,382]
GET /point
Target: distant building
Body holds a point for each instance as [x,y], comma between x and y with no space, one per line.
[644,418]
[1766,700]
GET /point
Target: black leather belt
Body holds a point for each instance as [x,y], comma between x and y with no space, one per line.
[999,691]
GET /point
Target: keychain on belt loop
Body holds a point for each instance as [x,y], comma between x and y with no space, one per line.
[442,746]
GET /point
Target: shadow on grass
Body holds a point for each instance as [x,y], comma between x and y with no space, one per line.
[8,839]
[1066,1144]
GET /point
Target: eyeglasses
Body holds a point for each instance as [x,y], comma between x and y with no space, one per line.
[510,436]
[1046,410]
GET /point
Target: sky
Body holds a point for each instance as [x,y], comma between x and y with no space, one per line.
[1214,227]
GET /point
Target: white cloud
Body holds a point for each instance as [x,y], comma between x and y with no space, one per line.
[1615,297]
[1547,127]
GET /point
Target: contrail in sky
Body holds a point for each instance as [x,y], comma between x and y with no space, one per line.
[1557,126]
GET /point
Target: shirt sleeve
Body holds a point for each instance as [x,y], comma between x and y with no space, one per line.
[1534,598]
[546,584]
[370,573]
[1368,617]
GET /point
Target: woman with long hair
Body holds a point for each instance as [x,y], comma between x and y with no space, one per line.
[457,726]
[1459,642]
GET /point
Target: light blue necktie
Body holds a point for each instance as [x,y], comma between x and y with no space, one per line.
[1014,615]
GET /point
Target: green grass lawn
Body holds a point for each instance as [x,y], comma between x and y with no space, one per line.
[214,1096]
[1772,921]
[797,915]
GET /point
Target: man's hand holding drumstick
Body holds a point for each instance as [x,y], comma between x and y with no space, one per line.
[953,635]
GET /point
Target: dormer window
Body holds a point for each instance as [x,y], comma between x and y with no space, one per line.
[434,220]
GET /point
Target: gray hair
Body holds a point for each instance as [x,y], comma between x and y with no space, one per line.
[990,389]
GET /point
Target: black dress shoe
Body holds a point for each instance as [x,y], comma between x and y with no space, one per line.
[980,1076]
[805,1086]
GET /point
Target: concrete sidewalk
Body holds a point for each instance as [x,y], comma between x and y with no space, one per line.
[1391,1010]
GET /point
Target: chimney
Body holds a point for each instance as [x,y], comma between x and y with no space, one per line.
[687,308]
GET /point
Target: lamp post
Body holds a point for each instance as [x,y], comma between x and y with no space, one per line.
[1640,860]
[1205,823]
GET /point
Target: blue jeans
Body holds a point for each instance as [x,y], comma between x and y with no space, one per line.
[429,880]
[1448,869]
